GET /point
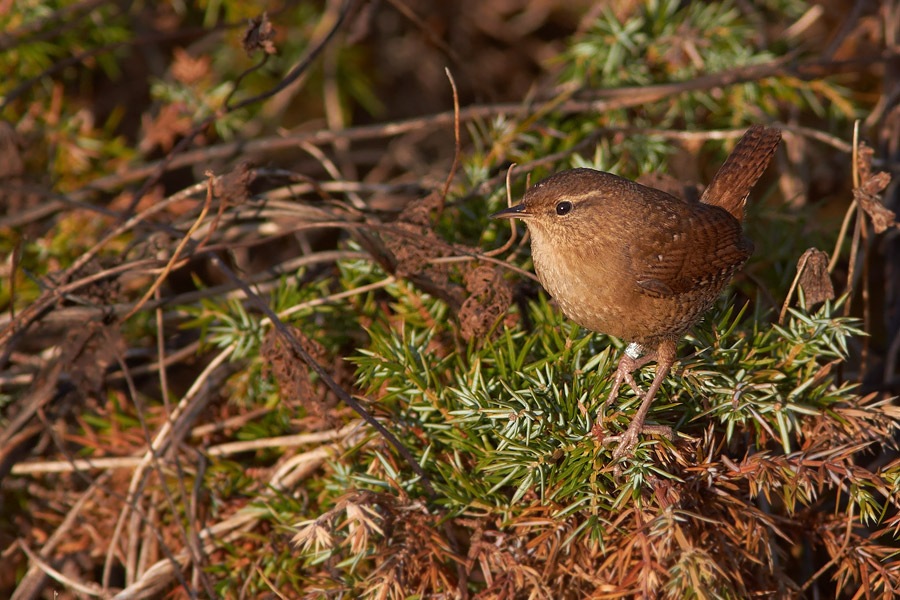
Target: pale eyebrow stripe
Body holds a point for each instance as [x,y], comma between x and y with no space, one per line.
[579,196]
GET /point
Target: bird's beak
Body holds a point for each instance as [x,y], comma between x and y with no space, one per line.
[513,212]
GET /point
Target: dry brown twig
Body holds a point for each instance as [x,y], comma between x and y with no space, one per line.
[457,148]
[47,299]
[867,187]
[512,225]
[601,101]
[178,250]
[224,449]
[161,573]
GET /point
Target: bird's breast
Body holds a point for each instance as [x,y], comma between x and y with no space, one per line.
[591,287]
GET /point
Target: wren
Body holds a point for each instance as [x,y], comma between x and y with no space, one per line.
[637,263]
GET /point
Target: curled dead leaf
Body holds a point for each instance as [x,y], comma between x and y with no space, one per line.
[814,277]
[868,194]
[489,298]
[259,35]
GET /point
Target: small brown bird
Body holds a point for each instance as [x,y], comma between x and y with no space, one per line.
[637,263]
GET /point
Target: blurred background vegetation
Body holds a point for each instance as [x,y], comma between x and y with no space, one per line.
[260,339]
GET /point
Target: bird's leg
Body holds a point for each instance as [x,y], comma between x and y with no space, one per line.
[630,362]
[665,358]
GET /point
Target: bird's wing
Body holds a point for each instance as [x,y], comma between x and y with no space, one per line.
[692,245]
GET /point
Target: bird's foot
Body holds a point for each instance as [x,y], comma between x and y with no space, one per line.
[629,438]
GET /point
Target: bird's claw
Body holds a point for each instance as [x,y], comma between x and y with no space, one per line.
[629,438]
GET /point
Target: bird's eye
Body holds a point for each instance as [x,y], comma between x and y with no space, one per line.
[563,207]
